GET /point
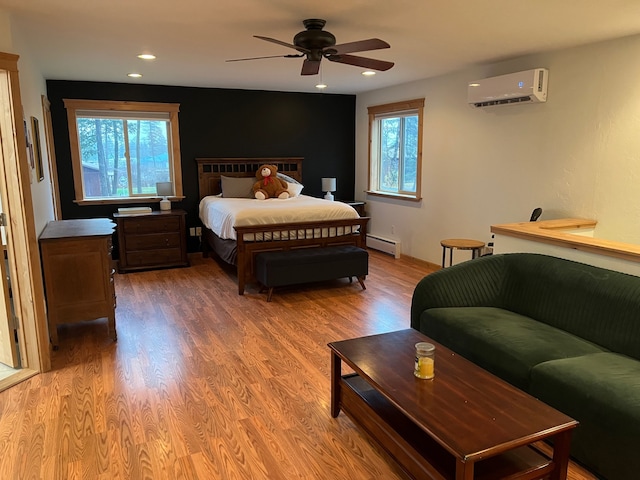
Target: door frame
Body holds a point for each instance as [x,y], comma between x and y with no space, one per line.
[22,243]
[51,155]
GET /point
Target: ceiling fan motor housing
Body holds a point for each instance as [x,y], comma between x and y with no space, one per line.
[314,38]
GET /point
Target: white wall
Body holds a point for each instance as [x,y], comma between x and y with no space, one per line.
[32,86]
[507,244]
[578,155]
[5,31]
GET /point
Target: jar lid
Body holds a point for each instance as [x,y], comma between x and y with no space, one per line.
[425,347]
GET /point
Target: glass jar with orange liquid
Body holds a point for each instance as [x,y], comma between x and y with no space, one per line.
[425,358]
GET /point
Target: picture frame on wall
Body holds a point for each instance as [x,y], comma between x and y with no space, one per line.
[27,138]
[37,149]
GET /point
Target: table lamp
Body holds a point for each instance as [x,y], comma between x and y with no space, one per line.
[164,189]
[328,185]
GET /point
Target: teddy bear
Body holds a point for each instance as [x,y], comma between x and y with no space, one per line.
[268,184]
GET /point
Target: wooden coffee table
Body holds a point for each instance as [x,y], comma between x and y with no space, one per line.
[464,424]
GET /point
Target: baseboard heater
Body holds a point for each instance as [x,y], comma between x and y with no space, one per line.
[386,245]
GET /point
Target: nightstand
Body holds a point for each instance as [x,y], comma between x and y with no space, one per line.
[151,240]
[359,206]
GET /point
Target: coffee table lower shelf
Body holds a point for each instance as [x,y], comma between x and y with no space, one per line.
[417,453]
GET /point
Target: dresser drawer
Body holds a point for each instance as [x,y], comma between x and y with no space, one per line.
[151,224]
[153,241]
[154,257]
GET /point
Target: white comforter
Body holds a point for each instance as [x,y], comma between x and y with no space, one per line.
[221,214]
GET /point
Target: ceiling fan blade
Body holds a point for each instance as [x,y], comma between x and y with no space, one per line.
[280,42]
[270,56]
[364,62]
[361,46]
[310,67]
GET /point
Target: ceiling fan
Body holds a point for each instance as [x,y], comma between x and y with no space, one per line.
[316,44]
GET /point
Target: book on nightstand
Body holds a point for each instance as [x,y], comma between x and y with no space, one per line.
[134,210]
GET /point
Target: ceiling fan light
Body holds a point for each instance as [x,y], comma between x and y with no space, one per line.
[368,73]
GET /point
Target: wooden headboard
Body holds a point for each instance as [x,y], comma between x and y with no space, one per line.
[211,169]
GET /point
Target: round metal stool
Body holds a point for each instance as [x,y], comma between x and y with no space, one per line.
[461,244]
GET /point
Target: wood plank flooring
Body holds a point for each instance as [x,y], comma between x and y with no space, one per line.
[206,384]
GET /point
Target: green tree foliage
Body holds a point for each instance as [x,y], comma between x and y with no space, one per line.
[398,153]
[118,168]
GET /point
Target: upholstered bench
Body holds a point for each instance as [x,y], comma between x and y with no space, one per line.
[304,265]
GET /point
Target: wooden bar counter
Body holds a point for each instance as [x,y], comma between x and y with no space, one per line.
[566,233]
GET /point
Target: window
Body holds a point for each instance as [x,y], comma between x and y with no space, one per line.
[120,150]
[395,149]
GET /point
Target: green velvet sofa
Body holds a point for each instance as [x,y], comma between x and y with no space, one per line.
[565,332]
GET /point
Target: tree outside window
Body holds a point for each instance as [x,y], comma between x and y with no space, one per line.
[123,149]
[395,137]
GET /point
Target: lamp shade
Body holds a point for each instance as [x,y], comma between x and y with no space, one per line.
[328,184]
[164,189]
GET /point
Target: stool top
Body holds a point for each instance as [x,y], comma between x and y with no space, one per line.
[462,243]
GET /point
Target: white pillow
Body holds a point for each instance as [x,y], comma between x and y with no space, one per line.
[294,189]
[286,178]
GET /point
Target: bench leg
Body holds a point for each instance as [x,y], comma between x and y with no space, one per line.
[269,293]
[361,280]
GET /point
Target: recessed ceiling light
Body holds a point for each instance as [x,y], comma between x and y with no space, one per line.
[321,86]
[147,56]
[134,75]
[368,73]
[474,84]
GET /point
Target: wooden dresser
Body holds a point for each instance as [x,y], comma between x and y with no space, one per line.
[152,240]
[78,275]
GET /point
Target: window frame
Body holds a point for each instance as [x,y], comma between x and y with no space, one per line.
[175,167]
[376,113]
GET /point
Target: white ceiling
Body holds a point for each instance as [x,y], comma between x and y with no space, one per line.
[99,40]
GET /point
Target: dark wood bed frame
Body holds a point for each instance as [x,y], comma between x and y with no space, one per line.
[282,236]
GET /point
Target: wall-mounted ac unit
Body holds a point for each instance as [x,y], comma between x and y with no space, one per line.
[529,86]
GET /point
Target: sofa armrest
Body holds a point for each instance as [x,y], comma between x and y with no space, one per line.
[476,283]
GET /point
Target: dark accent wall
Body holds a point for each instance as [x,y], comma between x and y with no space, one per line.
[225,123]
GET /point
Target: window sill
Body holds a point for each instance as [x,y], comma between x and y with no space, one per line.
[398,196]
[129,200]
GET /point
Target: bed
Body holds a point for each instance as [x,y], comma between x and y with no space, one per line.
[242,239]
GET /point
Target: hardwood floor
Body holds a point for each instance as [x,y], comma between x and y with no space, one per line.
[206,384]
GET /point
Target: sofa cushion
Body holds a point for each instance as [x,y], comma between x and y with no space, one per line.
[505,343]
[602,390]
[593,303]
